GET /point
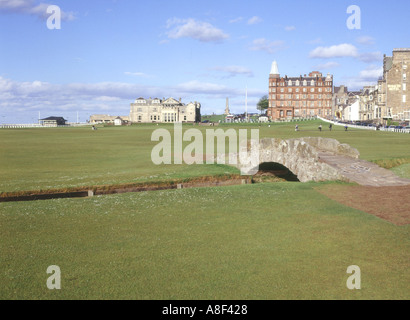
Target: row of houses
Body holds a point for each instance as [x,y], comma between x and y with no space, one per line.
[315,95]
[388,99]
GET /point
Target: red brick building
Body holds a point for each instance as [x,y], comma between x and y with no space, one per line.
[299,97]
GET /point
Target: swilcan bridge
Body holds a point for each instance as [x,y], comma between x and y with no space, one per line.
[325,159]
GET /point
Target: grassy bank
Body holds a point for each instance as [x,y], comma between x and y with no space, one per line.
[33,159]
[264,241]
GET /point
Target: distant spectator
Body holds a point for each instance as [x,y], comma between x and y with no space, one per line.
[320,128]
[330,127]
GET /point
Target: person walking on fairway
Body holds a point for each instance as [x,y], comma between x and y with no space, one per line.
[320,128]
[330,127]
[345,127]
[297,128]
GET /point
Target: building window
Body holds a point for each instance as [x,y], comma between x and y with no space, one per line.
[404,76]
[404,86]
[404,98]
[290,90]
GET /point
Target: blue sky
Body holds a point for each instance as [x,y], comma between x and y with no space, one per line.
[110,52]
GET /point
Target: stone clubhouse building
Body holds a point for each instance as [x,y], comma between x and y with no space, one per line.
[164,111]
[154,111]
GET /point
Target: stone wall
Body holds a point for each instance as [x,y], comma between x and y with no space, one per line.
[302,156]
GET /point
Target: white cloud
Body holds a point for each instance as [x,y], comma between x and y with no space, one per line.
[365,40]
[372,73]
[105,98]
[337,51]
[265,45]
[327,65]
[198,30]
[367,77]
[290,28]
[371,57]
[315,41]
[30,7]
[116,97]
[255,20]
[137,74]
[239,19]
[233,71]
[345,50]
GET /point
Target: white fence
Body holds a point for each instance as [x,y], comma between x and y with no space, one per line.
[366,127]
[31,126]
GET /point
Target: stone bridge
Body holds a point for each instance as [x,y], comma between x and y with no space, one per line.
[324,159]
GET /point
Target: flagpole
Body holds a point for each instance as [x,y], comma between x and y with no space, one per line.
[246,105]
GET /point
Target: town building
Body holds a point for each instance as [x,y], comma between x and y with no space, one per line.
[53,121]
[107,119]
[369,110]
[164,111]
[394,87]
[299,97]
[352,110]
[340,100]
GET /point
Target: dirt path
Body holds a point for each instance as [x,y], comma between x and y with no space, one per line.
[362,172]
[388,203]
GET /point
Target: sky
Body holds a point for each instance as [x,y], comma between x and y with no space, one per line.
[108,53]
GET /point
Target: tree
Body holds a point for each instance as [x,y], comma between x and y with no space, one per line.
[263,104]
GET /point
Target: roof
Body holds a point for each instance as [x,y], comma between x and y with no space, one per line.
[274,69]
[53,119]
[339,89]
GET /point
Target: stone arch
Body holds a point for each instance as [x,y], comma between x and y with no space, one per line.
[302,156]
[274,169]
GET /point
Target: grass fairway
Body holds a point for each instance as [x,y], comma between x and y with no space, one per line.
[262,241]
[265,241]
[34,159]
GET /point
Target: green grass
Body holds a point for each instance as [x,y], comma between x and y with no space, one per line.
[33,159]
[265,241]
[402,171]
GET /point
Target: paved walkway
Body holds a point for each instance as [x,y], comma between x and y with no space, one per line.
[362,172]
